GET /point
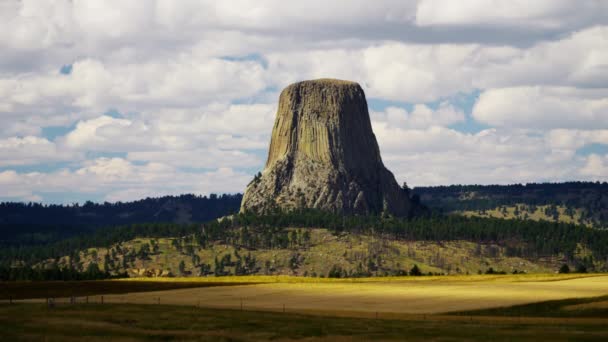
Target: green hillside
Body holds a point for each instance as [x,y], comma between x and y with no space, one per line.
[584,203]
[323,254]
[291,243]
[554,213]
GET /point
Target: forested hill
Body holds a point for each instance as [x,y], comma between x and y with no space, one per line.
[177,209]
[577,202]
[35,224]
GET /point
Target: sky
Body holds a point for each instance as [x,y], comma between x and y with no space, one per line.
[118,100]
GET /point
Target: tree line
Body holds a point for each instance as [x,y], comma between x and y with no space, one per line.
[250,231]
[589,197]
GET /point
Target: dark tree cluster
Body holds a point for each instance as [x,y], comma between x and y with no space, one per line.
[590,197]
[35,223]
[249,232]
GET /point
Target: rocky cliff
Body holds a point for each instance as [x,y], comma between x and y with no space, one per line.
[323,154]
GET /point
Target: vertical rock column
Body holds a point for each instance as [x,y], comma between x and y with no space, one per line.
[323,154]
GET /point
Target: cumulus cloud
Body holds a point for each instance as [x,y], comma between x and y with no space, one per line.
[574,139]
[575,60]
[439,155]
[394,71]
[193,86]
[93,86]
[539,15]
[199,158]
[32,150]
[425,72]
[543,107]
[119,179]
[596,166]
[422,116]
[216,126]
[55,30]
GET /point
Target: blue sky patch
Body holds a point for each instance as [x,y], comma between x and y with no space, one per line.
[53,132]
[586,150]
[66,69]
[252,57]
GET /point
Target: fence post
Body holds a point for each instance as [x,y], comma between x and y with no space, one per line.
[87,299]
[10,300]
[101,299]
[241,304]
[376,314]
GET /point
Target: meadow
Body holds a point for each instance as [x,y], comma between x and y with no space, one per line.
[346,297]
[479,307]
[411,295]
[129,322]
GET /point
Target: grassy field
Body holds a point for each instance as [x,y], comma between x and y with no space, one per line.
[596,307]
[116,322]
[521,211]
[476,308]
[50,289]
[535,277]
[411,295]
[360,297]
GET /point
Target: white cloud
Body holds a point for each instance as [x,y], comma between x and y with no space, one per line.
[543,107]
[536,15]
[394,71]
[94,86]
[196,85]
[199,158]
[213,127]
[438,155]
[119,179]
[32,150]
[596,167]
[96,133]
[63,28]
[421,116]
[576,60]
[423,72]
[573,139]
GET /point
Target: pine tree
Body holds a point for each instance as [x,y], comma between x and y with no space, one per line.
[415,271]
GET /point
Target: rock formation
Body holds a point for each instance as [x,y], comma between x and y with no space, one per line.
[323,154]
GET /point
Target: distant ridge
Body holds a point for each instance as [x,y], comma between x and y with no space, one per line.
[176,209]
[587,202]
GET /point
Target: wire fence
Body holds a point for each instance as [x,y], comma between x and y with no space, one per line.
[243,304]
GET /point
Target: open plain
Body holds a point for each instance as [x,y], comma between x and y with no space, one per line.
[418,296]
[478,308]
[362,297]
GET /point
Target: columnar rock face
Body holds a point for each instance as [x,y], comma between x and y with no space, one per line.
[323,154]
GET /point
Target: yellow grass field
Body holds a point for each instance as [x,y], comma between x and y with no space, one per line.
[360,297]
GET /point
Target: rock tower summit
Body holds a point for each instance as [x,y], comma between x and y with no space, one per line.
[323,154]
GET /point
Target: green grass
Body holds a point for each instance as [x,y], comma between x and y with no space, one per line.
[51,289]
[54,289]
[552,308]
[95,322]
[347,251]
[537,215]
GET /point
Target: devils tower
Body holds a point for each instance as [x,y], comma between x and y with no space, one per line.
[323,154]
